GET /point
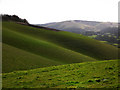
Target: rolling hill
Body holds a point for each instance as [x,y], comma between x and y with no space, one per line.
[80,26]
[98,74]
[26,47]
[40,57]
[102,31]
[18,59]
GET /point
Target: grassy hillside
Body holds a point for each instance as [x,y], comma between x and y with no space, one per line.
[26,47]
[18,59]
[75,42]
[99,74]
[77,25]
[22,51]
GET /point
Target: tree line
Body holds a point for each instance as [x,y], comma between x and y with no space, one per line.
[15,18]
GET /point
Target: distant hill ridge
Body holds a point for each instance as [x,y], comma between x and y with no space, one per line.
[78,26]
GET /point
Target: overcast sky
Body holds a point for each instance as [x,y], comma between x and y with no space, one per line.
[45,11]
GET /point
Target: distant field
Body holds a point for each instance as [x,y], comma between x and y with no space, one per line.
[26,47]
[98,74]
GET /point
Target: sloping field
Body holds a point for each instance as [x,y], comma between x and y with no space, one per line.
[40,47]
[98,74]
[74,42]
[18,59]
[21,51]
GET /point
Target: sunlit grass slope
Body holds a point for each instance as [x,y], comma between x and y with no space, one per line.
[75,42]
[98,74]
[24,51]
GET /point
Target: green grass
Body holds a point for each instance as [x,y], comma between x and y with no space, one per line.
[72,41]
[18,59]
[98,74]
[40,47]
[93,36]
[34,58]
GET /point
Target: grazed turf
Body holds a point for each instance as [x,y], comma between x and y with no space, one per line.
[99,74]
